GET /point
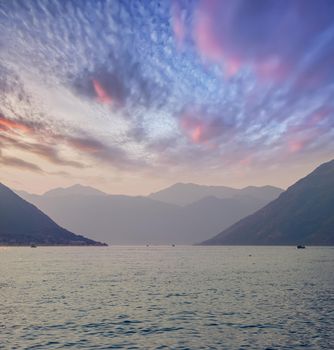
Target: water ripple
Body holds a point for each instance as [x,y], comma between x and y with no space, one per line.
[164,298]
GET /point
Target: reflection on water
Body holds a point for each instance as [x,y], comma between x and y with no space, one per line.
[166,297]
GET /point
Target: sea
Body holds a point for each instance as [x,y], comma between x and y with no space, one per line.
[165,297]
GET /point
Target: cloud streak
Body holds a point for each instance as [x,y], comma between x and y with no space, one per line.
[19,163]
[46,145]
[275,39]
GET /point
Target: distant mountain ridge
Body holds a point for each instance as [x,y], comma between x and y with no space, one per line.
[21,223]
[186,193]
[304,213]
[120,219]
[75,190]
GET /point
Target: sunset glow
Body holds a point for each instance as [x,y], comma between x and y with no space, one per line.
[133,96]
[101,94]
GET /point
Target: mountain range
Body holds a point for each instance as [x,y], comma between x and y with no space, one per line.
[180,214]
[303,214]
[21,223]
[186,193]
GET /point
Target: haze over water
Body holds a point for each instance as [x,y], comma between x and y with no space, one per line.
[163,297]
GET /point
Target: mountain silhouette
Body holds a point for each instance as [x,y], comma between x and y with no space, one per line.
[303,214]
[21,223]
[120,219]
[186,193]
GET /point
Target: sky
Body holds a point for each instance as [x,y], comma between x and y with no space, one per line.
[133,96]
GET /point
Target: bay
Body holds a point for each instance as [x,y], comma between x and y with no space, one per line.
[164,297]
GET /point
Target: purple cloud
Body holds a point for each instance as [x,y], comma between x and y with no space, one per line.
[271,37]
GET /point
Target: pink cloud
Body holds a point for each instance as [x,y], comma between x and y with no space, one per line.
[208,44]
[296,146]
[213,37]
[101,93]
[270,37]
[203,33]
[193,128]
[299,141]
[7,124]
[200,127]
[178,24]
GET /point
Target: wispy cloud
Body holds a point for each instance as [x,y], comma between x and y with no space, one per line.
[277,40]
[18,163]
[45,144]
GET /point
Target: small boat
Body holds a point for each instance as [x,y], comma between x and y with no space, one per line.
[173,245]
[33,246]
[300,246]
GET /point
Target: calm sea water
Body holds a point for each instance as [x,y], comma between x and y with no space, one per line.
[167,298]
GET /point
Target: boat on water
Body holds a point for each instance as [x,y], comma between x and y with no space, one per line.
[300,246]
[33,246]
